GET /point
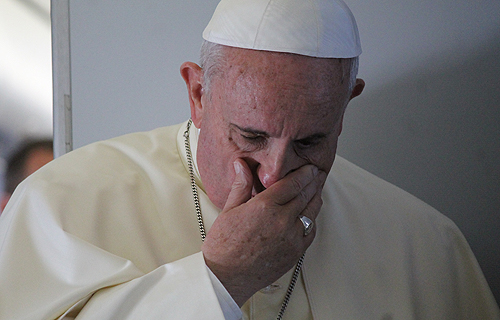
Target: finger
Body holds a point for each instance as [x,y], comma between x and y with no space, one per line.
[308,202]
[293,184]
[241,190]
[313,207]
[311,211]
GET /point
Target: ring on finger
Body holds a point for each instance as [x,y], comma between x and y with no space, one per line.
[308,224]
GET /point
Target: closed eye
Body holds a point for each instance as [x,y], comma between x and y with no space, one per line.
[257,140]
[252,136]
[310,142]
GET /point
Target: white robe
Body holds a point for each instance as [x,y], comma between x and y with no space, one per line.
[109,231]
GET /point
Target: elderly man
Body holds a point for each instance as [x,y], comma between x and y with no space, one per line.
[211,218]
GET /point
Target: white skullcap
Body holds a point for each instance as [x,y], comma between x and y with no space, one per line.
[317,28]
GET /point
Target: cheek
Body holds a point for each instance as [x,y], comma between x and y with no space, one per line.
[324,158]
[216,154]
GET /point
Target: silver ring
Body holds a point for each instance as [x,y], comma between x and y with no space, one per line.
[308,224]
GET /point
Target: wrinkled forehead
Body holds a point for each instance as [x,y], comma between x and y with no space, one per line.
[288,67]
[269,85]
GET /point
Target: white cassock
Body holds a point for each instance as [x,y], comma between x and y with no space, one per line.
[109,231]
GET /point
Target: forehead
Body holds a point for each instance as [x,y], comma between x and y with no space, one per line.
[281,86]
[277,65]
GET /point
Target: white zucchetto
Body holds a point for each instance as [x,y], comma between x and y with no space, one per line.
[317,28]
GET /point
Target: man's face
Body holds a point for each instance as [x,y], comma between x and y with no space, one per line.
[277,112]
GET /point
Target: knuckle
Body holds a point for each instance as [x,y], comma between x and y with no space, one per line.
[297,185]
[240,184]
[304,196]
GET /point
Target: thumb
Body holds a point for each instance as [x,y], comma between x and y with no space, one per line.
[241,190]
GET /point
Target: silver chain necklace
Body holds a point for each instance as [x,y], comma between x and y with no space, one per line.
[194,190]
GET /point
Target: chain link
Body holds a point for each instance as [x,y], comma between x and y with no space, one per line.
[194,188]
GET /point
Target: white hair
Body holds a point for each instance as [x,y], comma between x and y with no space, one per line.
[211,62]
[212,57]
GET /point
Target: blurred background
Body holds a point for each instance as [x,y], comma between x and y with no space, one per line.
[428,121]
[25,74]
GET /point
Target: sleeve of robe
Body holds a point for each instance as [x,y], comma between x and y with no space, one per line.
[106,232]
[47,273]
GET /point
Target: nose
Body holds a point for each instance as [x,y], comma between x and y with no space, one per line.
[276,163]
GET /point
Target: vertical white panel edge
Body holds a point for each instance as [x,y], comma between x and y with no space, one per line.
[61,71]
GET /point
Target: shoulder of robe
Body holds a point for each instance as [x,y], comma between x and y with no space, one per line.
[156,148]
[368,202]
[119,194]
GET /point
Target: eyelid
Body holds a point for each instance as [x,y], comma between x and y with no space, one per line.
[257,139]
[248,131]
[251,136]
[309,140]
[251,142]
[302,144]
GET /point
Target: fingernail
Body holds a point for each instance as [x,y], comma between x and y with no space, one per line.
[237,167]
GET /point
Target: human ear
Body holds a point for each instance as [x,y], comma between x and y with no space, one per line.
[192,75]
[358,88]
[356,91]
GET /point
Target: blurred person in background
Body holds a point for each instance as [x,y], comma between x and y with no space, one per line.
[31,155]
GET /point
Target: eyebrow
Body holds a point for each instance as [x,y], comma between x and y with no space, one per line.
[250,130]
[315,136]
